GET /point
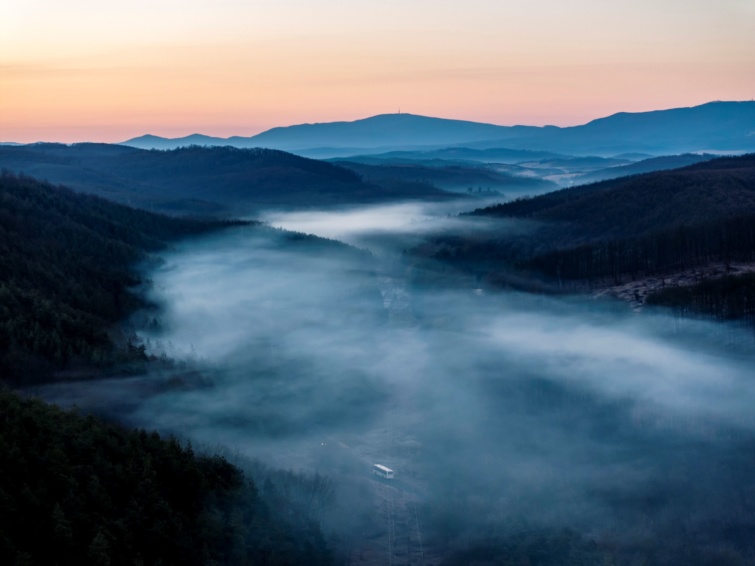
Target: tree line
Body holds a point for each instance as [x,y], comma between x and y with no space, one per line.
[75,490]
[614,231]
[66,269]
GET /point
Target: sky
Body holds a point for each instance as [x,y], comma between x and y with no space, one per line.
[85,70]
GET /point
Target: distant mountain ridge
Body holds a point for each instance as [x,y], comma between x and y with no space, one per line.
[384,129]
[409,130]
[714,126]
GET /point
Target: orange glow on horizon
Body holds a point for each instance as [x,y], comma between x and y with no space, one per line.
[235,68]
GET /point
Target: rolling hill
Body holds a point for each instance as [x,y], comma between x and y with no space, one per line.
[457,154]
[96,493]
[458,178]
[608,233]
[637,205]
[202,180]
[66,266]
[644,166]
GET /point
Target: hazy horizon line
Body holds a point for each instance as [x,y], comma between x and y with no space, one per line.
[257,130]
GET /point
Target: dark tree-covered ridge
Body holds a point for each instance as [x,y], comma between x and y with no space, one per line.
[637,205]
[74,490]
[66,265]
[453,177]
[203,180]
[638,225]
[727,298]
[612,232]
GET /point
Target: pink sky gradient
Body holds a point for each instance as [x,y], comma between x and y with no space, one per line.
[101,71]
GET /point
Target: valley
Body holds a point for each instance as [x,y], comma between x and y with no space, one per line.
[499,411]
[559,372]
[377,283]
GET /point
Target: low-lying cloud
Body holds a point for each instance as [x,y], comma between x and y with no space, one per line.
[499,405]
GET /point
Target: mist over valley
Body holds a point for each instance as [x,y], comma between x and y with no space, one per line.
[545,348]
[506,416]
[377,283]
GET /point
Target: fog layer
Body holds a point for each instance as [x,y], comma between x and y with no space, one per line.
[492,408]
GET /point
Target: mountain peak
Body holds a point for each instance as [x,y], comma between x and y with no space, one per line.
[714,126]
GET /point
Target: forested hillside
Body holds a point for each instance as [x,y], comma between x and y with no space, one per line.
[461,178]
[202,180]
[637,205]
[726,298]
[619,230]
[66,265]
[458,154]
[74,490]
[644,166]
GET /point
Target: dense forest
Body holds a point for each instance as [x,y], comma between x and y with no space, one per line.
[66,265]
[727,298]
[67,272]
[642,204]
[74,490]
[459,155]
[452,177]
[644,166]
[524,168]
[619,230]
[93,492]
[217,181]
[662,251]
